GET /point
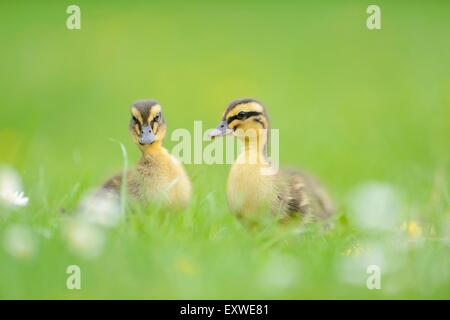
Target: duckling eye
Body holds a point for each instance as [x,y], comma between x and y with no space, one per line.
[241,115]
[134,119]
[157,117]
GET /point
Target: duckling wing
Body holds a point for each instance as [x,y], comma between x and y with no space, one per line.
[113,183]
[302,193]
[133,184]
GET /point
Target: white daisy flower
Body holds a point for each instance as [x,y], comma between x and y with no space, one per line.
[10,188]
[20,242]
[376,206]
[84,239]
[100,207]
[279,272]
[14,198]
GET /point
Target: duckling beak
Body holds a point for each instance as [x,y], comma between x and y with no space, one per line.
[221,130]
[147,135]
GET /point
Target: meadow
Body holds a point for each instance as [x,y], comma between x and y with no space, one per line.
[366,111]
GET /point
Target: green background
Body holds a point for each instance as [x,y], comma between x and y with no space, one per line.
[352,105]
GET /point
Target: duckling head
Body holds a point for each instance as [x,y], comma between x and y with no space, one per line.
[147,125]
[244,118]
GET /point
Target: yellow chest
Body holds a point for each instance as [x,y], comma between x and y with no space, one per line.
[162,178]
[249,190]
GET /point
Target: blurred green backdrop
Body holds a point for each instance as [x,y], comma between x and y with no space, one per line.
[352,105]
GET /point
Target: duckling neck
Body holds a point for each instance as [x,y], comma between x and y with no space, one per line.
[249,190]
[152,151]
[253,152]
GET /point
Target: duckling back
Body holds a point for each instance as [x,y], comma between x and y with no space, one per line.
[301,194]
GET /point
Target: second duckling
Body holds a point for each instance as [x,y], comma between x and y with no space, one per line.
[158,176]
[251,188]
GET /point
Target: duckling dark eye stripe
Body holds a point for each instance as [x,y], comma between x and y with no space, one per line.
[135,122]
[247,115]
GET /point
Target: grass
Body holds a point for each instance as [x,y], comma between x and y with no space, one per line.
[353,106]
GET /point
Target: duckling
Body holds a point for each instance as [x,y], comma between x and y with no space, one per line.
[253,185]
[158,176]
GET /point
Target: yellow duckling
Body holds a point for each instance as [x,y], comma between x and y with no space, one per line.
[158,176]
[253,185]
